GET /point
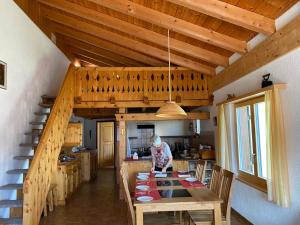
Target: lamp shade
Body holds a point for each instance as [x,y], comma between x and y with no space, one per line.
[171,110]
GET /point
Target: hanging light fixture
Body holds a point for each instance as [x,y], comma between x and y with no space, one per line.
[171,109]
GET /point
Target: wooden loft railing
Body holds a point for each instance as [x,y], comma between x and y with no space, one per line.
[139,87]
[44,163]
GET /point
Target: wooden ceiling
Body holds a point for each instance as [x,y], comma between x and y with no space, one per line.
[204,33]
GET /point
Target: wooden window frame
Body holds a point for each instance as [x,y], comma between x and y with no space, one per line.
[252,180]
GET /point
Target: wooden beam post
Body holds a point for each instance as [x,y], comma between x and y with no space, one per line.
[151,116]
[121,148]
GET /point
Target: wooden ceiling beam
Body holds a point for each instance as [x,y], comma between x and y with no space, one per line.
[128,42]
[230,13]
[83,52]
[74,54]
[97,51]
[175,24]
[137,31]
[278,44]
[153,117]
[103,44]
[90,61]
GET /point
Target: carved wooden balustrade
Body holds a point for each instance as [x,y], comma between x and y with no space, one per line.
[44,163]
[139,86]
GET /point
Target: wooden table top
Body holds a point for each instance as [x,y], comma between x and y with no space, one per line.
[198,195]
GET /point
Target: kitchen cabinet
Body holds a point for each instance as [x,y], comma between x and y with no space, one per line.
[88,162]
[68,178]
[73,136]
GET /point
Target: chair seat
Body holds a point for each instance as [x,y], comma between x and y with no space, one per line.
[204,217]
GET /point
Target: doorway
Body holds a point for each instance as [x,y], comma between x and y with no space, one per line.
[105,144]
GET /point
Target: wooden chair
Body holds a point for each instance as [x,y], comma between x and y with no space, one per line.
[152,218]
[200,169]
[215,179]
[124,179]
[207,218]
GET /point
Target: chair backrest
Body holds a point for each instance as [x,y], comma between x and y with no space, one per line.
[200,169]
[215,180]
[226,192]
[124,178]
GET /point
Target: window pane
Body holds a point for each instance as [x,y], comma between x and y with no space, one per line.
[244,137]
[260,128]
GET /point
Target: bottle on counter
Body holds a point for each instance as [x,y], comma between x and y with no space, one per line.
[135,156]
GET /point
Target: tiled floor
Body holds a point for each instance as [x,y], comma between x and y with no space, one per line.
[97,203]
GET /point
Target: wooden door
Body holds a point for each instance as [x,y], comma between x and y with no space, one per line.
[106,144]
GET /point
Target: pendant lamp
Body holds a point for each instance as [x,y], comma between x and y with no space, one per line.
[171,109]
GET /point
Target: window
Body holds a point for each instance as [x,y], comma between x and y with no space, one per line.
[251,142]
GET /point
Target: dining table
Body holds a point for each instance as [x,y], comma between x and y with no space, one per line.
[174,193]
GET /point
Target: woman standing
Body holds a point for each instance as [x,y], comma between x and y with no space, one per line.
[161,156]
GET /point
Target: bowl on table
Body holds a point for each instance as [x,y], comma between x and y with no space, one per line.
[191,179]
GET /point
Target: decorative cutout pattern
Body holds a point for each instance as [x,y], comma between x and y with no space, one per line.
[96,84]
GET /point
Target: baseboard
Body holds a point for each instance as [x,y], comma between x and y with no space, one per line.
[240,217]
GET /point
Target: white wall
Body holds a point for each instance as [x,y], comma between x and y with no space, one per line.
[250,202]
[35,67]
[162,128]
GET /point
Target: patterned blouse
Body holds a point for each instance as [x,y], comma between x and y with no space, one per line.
[161,155]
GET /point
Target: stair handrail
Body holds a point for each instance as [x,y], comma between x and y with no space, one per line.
[38,179]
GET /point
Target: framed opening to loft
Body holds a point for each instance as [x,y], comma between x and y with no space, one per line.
[3,75]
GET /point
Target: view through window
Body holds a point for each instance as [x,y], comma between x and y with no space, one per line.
[251,141]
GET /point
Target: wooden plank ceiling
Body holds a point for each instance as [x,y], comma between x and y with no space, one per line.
[204,33]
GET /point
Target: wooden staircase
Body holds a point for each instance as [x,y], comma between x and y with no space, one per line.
[16,206]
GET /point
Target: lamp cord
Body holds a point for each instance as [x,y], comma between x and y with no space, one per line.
[170,88]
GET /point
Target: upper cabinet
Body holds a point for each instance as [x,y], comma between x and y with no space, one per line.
[73,136]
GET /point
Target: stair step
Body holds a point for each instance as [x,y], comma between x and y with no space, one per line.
[11,187]
[48,98]
[17,171]
[11,221]
[28,145]
[34,132]
[37,123]
[45,105]
[11,203]
[23,157]
[42,113]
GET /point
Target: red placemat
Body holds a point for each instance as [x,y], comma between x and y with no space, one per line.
[154,194]
[151,184]
[196,184]
[175,174]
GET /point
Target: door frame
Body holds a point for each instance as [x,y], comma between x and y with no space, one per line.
[97,143]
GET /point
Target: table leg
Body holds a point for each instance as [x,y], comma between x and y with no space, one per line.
[139,216]
[217,214]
